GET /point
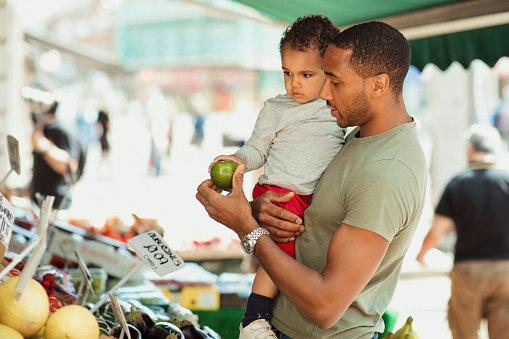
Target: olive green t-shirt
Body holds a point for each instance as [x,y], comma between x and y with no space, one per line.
[377,183]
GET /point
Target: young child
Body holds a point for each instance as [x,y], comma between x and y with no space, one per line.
[295,138]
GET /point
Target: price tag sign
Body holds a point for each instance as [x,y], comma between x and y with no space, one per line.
[13,150]
[6,222]
[154,251]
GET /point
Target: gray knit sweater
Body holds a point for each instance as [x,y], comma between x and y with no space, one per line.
[294,142]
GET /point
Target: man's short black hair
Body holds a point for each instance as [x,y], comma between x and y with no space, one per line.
[309,32]
[52,109]
[378,48]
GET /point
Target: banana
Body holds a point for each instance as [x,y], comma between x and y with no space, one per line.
[406,332]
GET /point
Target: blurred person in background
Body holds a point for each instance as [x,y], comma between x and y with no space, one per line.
[173,111]
[103,130]
[475,204]
[157,115]
[58,156]
[199,108]
[103,124]
[502,115]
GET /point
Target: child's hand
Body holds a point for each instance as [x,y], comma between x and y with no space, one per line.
[232,157]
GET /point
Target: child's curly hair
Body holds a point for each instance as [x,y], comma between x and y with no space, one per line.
[312,31]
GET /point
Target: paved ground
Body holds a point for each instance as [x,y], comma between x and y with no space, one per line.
[131,187]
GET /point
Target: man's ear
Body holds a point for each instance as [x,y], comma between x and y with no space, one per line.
[380,84]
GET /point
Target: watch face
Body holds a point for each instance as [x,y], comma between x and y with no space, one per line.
[247,245]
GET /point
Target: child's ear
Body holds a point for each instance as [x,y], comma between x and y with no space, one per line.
[380,84]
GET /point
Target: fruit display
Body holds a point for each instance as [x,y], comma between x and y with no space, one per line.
[221,174]
[146,322]
[49,309]
[59,303]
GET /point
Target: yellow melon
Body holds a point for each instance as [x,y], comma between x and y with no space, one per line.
[29,314]
[38,335]
[8,333]
[71,322]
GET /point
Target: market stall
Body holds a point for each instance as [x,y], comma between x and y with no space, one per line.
[59,277]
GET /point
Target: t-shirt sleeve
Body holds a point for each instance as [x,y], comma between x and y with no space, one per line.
[256,149]
[383,198]
[445,204]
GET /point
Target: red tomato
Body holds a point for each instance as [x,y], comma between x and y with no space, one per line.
[15,272]
[48,276]
[45,284]
[54,304]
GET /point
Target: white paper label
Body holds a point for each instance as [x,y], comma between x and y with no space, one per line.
[154,251]
[6,220]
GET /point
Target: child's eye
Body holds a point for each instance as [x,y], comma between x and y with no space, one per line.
[287,73]
[307,75]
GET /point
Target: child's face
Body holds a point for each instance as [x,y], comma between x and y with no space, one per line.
[303,74]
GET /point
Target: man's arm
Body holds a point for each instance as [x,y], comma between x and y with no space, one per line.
[57,158]
[441,226]
[324,297]
[321,297]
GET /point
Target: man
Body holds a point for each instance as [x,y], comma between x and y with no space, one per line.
[475,205]
[364,210]
[57,153]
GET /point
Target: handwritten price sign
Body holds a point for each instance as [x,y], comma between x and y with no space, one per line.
[154,251]
[6,220]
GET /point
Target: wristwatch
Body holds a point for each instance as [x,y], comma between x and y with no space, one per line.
[248,241]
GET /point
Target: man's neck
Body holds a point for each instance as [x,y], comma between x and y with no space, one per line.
[482,158]
[384,123]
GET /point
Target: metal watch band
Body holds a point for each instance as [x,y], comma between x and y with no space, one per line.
[248,241]
[258,233]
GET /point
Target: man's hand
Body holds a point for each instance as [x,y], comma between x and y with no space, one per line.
[283,225]
[441,226]
[232,210]
[420,259]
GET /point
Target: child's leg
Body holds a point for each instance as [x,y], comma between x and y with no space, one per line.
[259,303]
[263,285]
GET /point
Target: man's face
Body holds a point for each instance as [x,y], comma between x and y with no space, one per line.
[303,74]
[344,90]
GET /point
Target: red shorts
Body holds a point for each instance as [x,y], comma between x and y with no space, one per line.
[297,205]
